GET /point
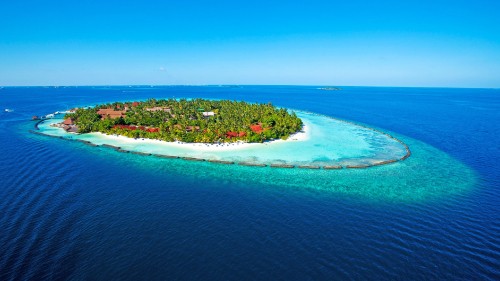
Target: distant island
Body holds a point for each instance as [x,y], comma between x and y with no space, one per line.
[191,121]
[330,89]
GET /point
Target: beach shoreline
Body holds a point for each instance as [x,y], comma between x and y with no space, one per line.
[302,135]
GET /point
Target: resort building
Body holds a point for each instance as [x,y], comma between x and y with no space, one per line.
[69,121]
[257,128]
[158,108]
[235,134]
[110,113]
[69,125]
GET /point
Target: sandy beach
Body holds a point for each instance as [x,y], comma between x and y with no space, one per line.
[303,135]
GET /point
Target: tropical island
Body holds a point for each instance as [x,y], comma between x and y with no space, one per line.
[330,89]
[190,121]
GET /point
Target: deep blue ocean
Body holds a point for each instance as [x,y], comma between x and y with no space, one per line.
[74,212]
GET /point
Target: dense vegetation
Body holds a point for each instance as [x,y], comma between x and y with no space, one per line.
[197,120]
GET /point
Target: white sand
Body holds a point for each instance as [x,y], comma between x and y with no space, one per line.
[205,147]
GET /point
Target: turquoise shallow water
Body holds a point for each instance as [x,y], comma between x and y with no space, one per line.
[427,174]
[72,211]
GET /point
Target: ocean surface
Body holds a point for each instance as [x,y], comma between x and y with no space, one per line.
[69,211]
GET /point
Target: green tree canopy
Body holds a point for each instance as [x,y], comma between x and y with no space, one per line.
[195,120]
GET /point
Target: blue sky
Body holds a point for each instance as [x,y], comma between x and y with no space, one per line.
[365,43]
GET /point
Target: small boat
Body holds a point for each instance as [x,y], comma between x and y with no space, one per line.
[9,110]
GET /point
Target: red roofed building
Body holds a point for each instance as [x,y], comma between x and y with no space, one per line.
[257,128]
[135,103]
[111,113]
[68,121]
[235,134]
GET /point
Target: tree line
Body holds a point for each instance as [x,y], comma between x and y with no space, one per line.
[189,121]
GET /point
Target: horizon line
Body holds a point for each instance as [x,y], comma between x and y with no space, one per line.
[241,85]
